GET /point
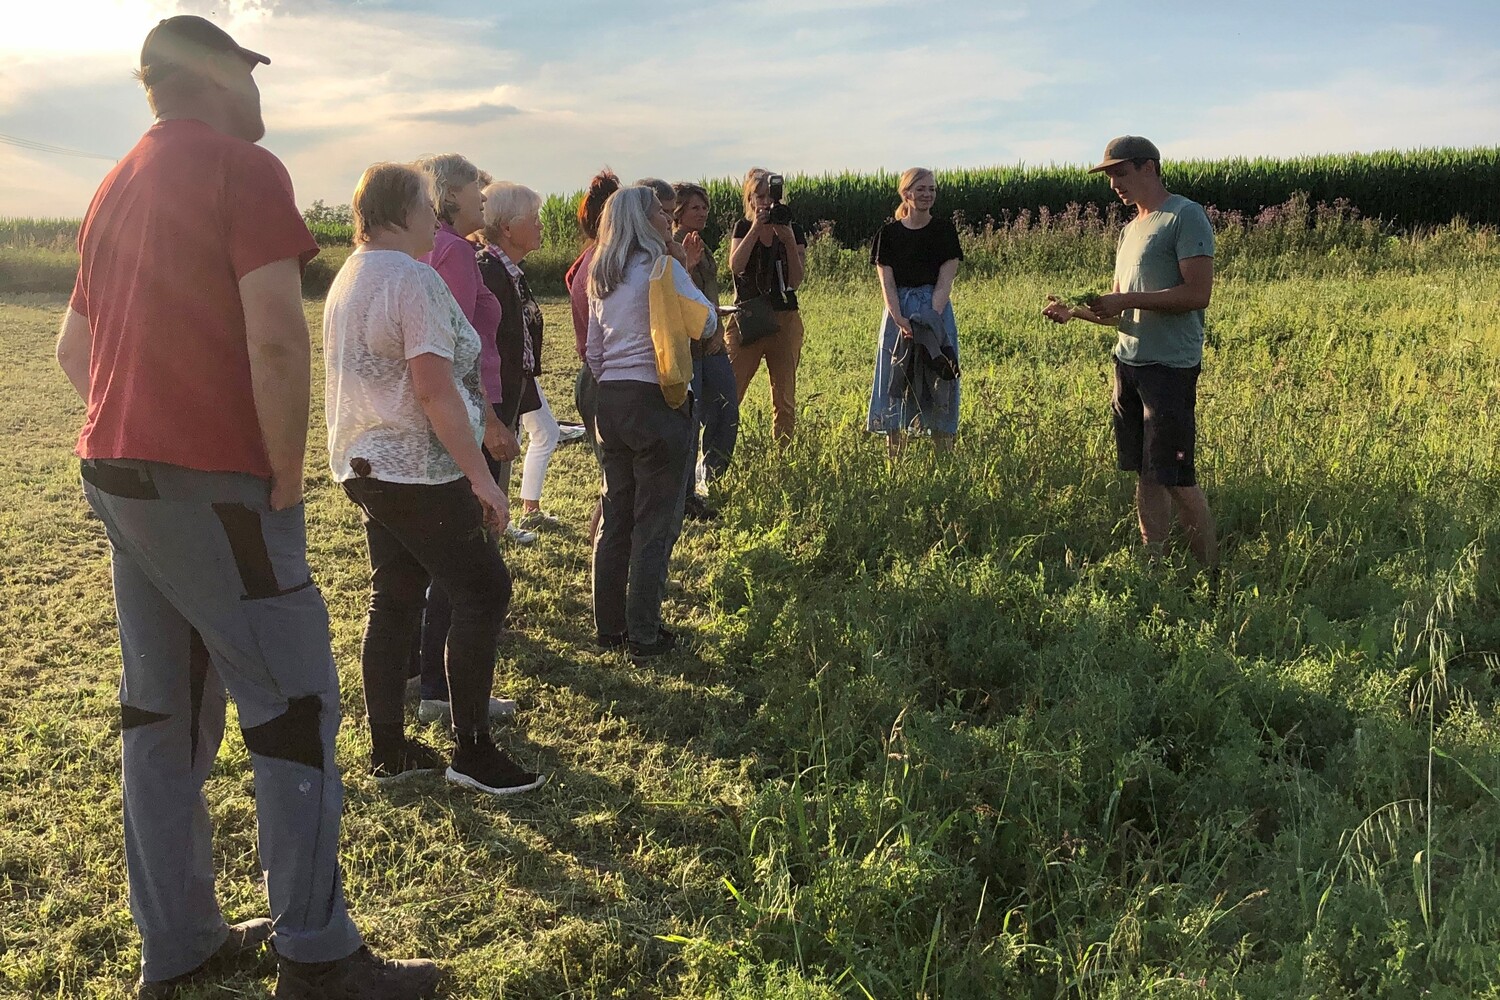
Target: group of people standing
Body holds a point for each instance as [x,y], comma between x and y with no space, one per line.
[192,355]
[432,347]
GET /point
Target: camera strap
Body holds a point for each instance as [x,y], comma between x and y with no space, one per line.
[777,285]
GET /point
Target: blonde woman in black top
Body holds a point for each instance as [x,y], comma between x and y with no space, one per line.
[916,258]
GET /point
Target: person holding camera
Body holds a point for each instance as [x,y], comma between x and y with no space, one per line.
[916,362]
[767,256]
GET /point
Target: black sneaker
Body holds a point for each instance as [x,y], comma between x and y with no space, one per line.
[246,942]
[665,643]
[480,765]
[361,976]
[410,757]
[609,640]
[695,508]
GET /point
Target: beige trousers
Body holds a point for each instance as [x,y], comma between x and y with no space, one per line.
[782,352]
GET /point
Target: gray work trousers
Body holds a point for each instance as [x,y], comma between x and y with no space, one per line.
[213,591]
[646,450]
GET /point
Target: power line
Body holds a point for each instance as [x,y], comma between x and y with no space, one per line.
[47,147]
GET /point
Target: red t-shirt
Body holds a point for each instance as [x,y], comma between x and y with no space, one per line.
[176,224]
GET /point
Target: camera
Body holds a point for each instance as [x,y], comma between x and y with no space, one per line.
[775,188]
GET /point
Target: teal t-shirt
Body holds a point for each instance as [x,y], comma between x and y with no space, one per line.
[1146,261]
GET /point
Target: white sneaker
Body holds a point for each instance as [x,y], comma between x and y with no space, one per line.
[538,520]
[520,535]
[568,432]
[432,710]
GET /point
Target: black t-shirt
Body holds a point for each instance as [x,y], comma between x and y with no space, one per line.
[916,255]
[760,272]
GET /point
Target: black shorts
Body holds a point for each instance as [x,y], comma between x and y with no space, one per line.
[1155,416]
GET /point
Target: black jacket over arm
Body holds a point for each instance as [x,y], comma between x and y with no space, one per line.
[518,389]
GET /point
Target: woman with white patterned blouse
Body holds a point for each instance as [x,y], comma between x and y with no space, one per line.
[406,415]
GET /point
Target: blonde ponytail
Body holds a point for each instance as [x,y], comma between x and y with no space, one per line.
[909,177]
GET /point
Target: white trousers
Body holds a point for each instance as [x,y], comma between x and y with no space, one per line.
[541,441]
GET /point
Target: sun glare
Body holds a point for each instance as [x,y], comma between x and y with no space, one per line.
[81,26]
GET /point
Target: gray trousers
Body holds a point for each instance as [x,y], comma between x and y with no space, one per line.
[213,592]
[646,450]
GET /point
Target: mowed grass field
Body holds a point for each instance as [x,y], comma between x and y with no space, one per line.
[940,730]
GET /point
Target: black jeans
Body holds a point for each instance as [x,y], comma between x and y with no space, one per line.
[586,399]
[647,447]
[418,532]
[438,617]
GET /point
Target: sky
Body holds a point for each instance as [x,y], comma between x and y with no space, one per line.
[547,91]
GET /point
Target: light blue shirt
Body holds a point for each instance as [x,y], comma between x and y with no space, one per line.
[1147,261]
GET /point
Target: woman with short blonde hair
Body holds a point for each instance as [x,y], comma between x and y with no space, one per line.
[916,258]
[406,415]
[383,196]
[767,259]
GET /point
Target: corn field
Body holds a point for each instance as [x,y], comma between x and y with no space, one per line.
[1407,190]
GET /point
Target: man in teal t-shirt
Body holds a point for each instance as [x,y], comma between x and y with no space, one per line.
[1164,276]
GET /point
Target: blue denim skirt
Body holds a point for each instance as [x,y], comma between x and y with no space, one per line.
[892,413]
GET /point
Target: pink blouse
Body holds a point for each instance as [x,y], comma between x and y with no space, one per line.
[452,257]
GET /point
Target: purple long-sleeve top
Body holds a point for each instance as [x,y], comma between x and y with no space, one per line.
[452,257]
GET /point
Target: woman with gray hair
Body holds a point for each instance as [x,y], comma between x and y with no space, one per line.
[645,441]
[512,229]
[460,210]
[691,254]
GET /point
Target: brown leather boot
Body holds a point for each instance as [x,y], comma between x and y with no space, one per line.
[245,940]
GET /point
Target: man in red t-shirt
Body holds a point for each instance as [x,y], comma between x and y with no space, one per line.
[186,337]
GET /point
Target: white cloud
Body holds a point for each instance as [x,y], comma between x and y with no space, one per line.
[1364,111]
[695,94]
[75,27]
[546,97]
[676,108]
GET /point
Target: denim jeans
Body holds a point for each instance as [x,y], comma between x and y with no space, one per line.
[717,404]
